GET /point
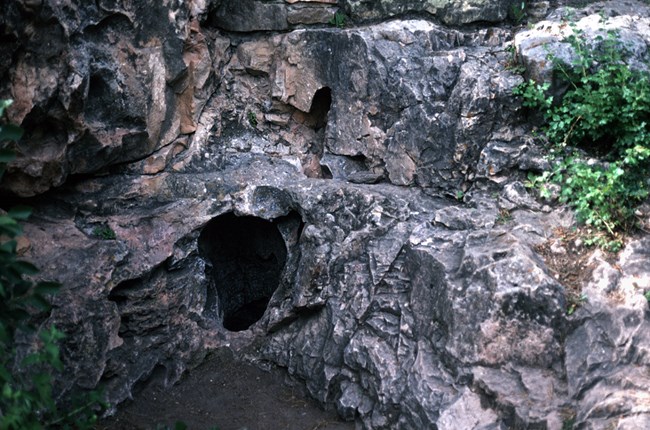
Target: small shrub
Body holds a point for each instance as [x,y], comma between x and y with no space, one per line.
[252,118]
[104,232]
[339,20]
[518,11]
[600,135]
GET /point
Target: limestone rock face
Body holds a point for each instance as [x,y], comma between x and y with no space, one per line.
[97,84]
[607,353]
[452,12]
[255,15]
[630,21]
[408,101]
[369,179]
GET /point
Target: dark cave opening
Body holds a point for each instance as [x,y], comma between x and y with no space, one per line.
[246,256]
[320,107]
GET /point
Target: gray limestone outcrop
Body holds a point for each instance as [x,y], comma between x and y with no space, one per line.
[344,203]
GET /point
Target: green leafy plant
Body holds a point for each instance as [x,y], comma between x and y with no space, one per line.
[26,381]
[647,295]
[104,232]
[339,19]
[518,11]
[8,131]
[252,118]
[568,423]
[512,63]
[600,135]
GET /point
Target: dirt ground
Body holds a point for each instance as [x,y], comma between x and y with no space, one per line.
[225,394]
[570,261]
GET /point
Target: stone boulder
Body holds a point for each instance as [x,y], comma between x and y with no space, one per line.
[629,20]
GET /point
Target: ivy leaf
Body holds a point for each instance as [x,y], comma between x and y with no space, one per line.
[25,267]
[20,212]
[47,288]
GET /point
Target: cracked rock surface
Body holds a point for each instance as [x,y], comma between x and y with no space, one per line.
[383,164]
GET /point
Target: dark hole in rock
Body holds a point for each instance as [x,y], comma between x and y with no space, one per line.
[120,293]
[45,136]
[317,120]
[99,95]
[326,172]
[320,107]
[246,256]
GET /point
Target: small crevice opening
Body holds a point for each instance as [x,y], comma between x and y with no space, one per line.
[317,119]
[320,107]
[246,256]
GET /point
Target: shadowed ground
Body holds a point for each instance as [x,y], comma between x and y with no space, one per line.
[225,394]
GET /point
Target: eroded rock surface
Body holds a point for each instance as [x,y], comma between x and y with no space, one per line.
[99,83]
[387,158]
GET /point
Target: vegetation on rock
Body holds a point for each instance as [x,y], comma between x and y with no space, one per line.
[26,379]
[104,232]
[600,135]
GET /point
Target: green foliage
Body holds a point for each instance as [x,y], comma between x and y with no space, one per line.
[606,114]
[104,232]
[519,11]
[339,20]
[647,295]
[252,118]
[26,398]
[568,423]
[8,131]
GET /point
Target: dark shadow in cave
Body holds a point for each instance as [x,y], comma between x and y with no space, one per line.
[317,120]
[246,256]
[320,107]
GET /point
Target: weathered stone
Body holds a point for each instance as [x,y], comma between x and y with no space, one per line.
[249,15]
[256,57]
[383,156]
[91,86]
[311,1]
[630,22]
[467,413]
[607,376]
[310,15]
[450,11]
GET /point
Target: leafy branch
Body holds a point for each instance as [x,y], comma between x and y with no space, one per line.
[26,397]
[600,134]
